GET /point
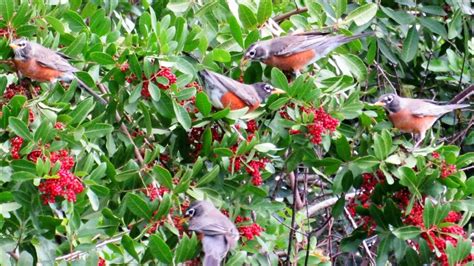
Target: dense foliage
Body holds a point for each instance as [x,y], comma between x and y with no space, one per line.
[314,176]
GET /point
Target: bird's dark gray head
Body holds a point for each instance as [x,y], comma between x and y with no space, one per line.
[198,208]
[255,52]
[21,48]
[390,101]
[264,90]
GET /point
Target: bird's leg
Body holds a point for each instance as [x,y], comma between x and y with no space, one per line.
[418,138]
[26,83]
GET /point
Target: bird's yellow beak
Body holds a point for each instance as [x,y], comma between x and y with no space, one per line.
[244,61]
[379,103]
[278,91]
[184,219]
[14,46]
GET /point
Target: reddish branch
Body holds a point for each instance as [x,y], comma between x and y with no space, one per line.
[284,16]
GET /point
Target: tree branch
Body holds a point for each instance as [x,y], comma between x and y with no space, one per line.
[284,16]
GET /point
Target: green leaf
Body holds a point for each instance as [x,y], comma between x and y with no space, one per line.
[6,208]
[266,147]
[247,17]
[366,162]
[264,11]
[410,45]
[55,23]
[75,21]
[178,6]
[137,205]
[23,176]
[407,232]
[235,30]
[159,249]
[209,176]
[164,208]
[128,243]
[338,208]
[434,26]
[362,14]
[220,55]
[98,130]
[163,176]
[340,7]
[203,104]
[409,179]
[352,65]
[77,46]
[102,58]
[6,9]
[182,115]
[343,149]
[19,128]
[279,79]
[82,110]
[465,160]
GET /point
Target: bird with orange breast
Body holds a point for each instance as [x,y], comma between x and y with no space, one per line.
[294,52]
[225,92]
[34,61]
[415,116]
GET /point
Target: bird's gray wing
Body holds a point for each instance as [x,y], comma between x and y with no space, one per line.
[321,43]
[208,228]
[52,59]
[425,108]
[215,249]
[245,92]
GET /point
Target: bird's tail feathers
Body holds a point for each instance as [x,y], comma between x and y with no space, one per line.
[210,260]
[347,39]
[83,86]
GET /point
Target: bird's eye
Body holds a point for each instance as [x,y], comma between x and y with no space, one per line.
[190,212]
[252,53]
[389,99]
[268,88]
[21,44]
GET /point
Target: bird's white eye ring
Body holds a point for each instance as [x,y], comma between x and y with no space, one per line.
[190,212]
[268,87]
[252,53]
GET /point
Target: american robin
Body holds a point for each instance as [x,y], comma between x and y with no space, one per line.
[296,51]
[39,63]
[414,116]
[218,233]
[226,92]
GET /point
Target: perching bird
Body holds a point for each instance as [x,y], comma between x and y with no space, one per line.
[414,116]
[296,51]
[39,63]
[226,92]
[219,234]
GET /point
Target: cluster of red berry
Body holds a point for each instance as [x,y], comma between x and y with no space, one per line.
[253,169]
[152,192]
[248,231]
[446,169]
[195,142]
[16,143]
[322,123]
[12,90]
[163,72]
[6,33]
[362,198]
[436,237]
[65,184]
[176,218]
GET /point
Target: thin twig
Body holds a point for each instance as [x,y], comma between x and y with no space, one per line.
[426,70]
[284,16]
[76,254]
[293,219]
[327,203]
[467,168]
[364,243]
